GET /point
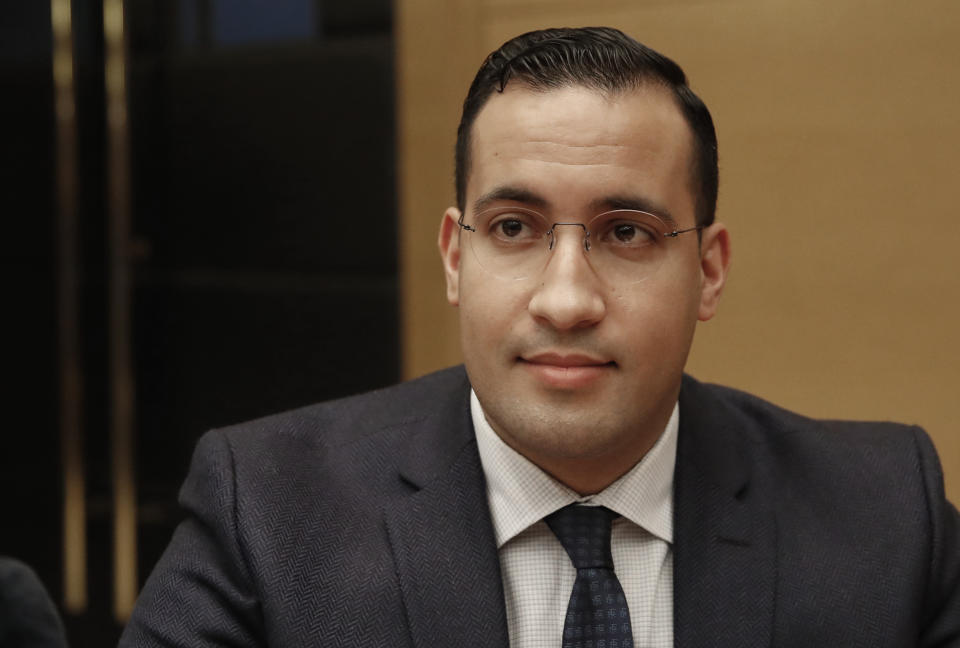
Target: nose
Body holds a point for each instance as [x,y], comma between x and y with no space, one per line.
[569,295]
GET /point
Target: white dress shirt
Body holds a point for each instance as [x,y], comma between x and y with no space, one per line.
[537,573]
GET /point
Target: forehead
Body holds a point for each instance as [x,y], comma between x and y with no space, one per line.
[576,144]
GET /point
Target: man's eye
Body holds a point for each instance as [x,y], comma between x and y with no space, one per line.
[630,234]
[515,230]
[510,228]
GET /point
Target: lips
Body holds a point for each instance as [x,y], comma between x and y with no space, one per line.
[555,359]
[567,371]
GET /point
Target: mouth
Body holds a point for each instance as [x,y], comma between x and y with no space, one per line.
[567,371]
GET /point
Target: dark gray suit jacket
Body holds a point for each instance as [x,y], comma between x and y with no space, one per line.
[364,522]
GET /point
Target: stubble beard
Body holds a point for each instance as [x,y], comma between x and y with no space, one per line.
[559,431]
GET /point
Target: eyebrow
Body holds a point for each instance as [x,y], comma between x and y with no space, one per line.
[607,203]
[512,194]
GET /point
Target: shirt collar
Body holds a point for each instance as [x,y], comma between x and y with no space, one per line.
[520,494]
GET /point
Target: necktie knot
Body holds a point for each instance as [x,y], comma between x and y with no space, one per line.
[584,532]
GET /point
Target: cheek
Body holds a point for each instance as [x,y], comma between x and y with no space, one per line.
[489,310]
[657,317]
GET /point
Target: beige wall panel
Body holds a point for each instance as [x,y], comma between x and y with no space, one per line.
[839,138]
[435,53]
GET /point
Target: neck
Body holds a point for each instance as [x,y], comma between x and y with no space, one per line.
[588,473]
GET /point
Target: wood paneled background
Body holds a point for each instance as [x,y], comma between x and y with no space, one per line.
[839,135]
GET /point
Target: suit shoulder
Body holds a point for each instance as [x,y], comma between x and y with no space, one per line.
[349,420]
[803,449]
[773,419]
[27,613]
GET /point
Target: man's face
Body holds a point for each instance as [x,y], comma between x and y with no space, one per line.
[576,371]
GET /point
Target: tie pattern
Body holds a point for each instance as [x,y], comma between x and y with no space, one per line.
[597,615]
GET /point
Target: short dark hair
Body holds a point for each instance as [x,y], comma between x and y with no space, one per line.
[601,58]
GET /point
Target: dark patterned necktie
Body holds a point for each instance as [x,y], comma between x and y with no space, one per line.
[597,615]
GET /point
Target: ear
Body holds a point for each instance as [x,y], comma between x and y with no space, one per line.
[449,243]
[714,267]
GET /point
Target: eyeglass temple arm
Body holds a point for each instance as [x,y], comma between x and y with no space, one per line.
[676,233]
[464,225]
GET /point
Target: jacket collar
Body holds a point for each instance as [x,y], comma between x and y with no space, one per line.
[441,534]
[725,532]
[725,549]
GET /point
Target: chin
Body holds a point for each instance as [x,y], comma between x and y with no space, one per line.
[566,438]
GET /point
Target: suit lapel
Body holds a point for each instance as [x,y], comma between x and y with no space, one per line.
[442,537]
[724,555]
[725,550]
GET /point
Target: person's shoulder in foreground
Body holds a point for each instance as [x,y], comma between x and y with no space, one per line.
[28,618]
[305,528]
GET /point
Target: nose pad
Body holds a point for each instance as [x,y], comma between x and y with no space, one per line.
[578,245]
[586,234]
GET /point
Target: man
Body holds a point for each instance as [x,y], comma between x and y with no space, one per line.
[571,487]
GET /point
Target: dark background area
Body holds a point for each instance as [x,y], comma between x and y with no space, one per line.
[263,224]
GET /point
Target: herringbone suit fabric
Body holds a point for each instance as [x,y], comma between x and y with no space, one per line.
[364,522]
